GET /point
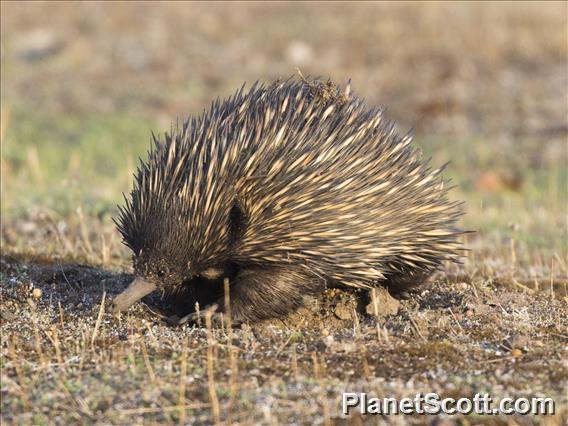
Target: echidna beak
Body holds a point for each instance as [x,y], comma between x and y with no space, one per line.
[137,289]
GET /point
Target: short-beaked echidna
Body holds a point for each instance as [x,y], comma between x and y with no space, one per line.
[284,189]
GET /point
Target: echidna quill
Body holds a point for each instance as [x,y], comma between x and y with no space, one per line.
[284,189]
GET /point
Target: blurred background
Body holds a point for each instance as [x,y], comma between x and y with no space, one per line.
[481,84]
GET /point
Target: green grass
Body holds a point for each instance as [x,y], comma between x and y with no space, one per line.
[63,161]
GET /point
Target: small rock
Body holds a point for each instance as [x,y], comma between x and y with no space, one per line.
[385,304]
[462,286]
[516,353]
[342,312]
[36,293]
[321,345]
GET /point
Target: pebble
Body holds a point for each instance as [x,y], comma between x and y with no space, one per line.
[386,304]
[516,353]
[36,293]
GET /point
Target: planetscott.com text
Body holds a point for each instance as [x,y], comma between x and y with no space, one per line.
[432,403]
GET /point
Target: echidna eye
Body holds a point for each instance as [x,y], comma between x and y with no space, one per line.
[161,273]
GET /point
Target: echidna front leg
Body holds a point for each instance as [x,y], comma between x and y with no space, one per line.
[263,293]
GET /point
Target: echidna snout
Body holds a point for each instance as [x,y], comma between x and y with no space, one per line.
[137,289]
[284,189]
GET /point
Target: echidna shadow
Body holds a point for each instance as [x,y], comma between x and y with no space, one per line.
[284,189]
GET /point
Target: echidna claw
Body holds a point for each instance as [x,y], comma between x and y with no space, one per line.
[218,319]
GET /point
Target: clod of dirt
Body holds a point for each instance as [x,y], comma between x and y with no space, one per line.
[382,304]
[326,93]
[334,309]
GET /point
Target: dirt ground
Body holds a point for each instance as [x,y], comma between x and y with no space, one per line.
[67,360]
[483,85]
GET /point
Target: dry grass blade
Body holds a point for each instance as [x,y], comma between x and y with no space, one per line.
[182,385]
[292,334]
[99,319]
[232,350]
[84,234]
[147,362]
[216,412]
[54,339]
[416,327]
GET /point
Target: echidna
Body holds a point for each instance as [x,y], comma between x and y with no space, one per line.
[284,189]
